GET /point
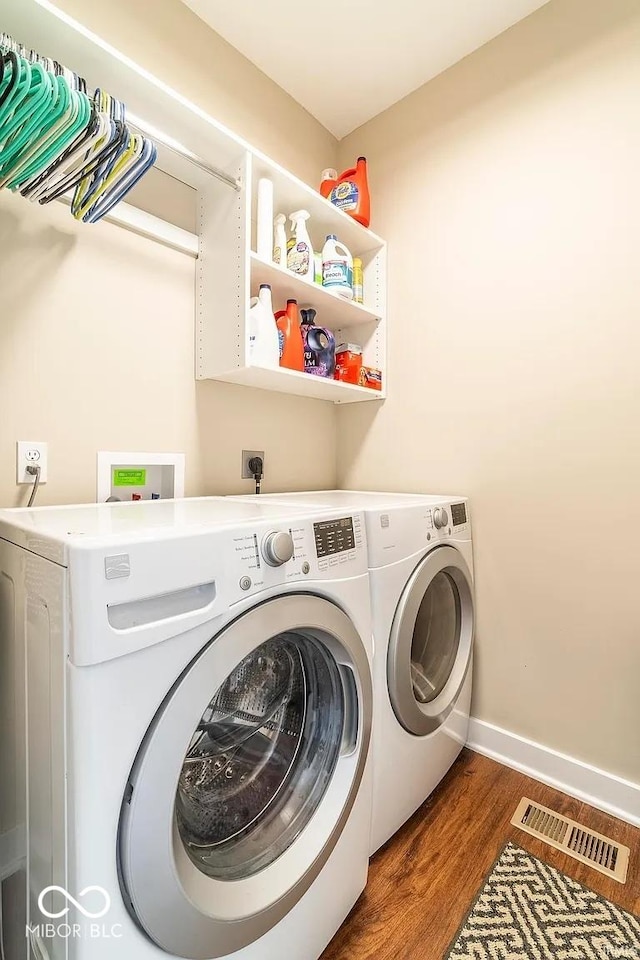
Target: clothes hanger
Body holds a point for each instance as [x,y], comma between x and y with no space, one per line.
[72,159]
[143,162]
[37,135]
[20,125]
[73,120]
[54,139]
[17,83]
[34,106]
[101,184]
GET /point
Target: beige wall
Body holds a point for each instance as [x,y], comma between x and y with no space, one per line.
[97,325]
[509,193]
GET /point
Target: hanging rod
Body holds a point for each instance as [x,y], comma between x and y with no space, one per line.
[170,144]
[147,225]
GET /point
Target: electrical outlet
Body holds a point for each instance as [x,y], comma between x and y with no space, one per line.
[31,453]
[246,473]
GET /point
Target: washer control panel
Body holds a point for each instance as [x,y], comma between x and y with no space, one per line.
[326,547]
[277,548]
[334,536]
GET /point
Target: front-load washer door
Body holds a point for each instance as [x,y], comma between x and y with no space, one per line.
[431,641]
[246,777]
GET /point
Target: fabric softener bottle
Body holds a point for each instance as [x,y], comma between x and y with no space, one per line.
[319,346]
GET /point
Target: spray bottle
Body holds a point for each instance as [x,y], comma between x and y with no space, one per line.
[300,257]
[280,240]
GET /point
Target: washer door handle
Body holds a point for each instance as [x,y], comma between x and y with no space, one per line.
[351,710]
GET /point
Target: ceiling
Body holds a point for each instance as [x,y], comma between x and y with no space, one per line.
[346,64]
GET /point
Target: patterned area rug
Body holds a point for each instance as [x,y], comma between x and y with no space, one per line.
[529,911]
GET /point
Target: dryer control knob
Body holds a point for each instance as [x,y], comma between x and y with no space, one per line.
[277,548]
[440,518]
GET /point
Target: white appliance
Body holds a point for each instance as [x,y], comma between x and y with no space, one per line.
[198,714]
[421,578]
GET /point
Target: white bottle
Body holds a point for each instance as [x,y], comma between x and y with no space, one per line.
[264,343]
[280,240]
[300,256]
[265,218]
[337,268]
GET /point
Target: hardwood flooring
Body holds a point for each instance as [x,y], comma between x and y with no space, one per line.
[423,881]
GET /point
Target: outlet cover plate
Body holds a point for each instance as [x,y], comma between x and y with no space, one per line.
[246,456]
[31,452]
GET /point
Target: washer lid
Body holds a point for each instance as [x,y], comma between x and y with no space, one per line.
[431,641]
[246,778]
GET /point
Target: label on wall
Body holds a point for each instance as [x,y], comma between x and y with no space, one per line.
[129,478]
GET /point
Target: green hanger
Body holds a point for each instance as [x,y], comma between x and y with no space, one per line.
[58,138]
[19,91]
[34,105]
[22,137]
[35,138]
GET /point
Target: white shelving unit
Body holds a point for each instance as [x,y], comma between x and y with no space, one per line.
[197,150]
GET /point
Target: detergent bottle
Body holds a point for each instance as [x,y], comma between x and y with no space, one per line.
[300,256]
[290,335]
[351,192]
[264,344]
[328,180]
[319,346]
[337,268]
[280,240]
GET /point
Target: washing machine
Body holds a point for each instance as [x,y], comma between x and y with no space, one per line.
[421,579]
[198,717]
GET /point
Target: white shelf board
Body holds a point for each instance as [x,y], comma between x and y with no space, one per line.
[282,380]
[291,194]
[333,311]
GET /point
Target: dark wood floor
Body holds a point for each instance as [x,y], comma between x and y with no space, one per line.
[423,881]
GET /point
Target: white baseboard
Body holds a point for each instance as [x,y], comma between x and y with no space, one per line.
[12,851]
[600,789]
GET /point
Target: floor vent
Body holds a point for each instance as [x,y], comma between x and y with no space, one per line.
[599,852]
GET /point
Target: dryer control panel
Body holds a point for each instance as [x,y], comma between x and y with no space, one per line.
[398,532]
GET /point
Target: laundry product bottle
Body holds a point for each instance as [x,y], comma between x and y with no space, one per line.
[351,192]
[319,346]
[280,240]
[300,256]
[337,268]
[328,180]
[290,336]
[264,344]
[358,280]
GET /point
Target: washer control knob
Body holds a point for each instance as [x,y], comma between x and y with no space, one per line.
[277,548]
[440,518]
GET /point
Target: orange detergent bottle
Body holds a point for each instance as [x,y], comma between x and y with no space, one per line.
[290,336]
[351,192]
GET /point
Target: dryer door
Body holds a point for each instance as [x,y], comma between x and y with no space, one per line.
[431,641]
[246,777]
